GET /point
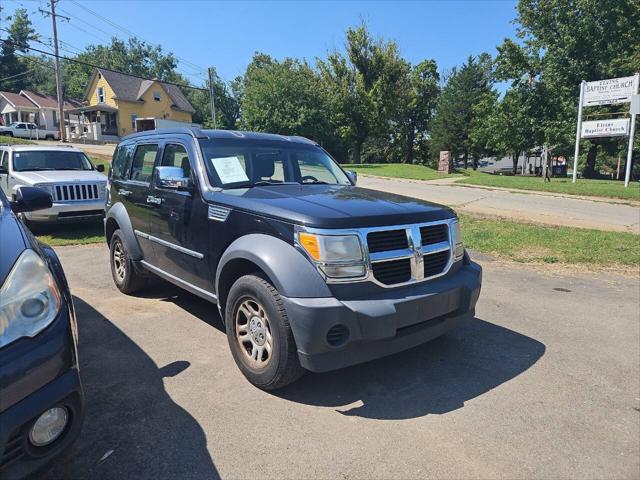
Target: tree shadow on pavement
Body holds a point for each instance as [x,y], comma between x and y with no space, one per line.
[435,378]
[129,411]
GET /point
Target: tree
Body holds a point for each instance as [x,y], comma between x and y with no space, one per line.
[17,39]
[284,97]
[512,128]
[419,107]
[365,87]
[563,42]
[456,116]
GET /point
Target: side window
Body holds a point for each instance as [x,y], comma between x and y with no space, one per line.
[143,160]
[121,161]
[21,125]
[176,156]
[4,155]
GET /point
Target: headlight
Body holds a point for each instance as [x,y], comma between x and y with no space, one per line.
[29,299]
[457,242]
[338,256]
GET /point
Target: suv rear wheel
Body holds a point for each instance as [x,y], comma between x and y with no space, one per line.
[124,274]
[259,334]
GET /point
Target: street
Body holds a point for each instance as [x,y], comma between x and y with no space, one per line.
[544,383]
[518,206]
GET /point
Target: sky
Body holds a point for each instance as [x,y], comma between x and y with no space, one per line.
[225,35]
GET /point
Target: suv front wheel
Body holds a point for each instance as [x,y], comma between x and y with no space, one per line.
[259,334]
[122,270]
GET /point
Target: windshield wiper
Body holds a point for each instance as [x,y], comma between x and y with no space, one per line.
[35,169]
[315,182]
[262,183]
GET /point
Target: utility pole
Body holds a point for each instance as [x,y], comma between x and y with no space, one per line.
[53,15]
[213,99]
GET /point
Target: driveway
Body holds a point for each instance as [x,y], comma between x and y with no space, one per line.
[533,207]
[543,383]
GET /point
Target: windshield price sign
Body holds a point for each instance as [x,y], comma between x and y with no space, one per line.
[605,128]
[610,91]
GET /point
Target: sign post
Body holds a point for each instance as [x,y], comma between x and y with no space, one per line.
[627,174]
[578,132]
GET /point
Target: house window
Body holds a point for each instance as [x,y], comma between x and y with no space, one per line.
[55,119]
[134,117]
[156,96]
[100,94]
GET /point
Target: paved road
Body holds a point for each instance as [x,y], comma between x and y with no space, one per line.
[542,384]
[553,210]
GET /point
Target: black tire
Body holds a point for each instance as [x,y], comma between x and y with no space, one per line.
[49,137]
[7,134]
[281,364]
[122,270]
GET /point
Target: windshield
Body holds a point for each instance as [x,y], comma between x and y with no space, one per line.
[34,160]
[234,164]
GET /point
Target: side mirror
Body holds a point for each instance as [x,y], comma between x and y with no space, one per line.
[353,176]
[172,178]
[30,199]
[100,168]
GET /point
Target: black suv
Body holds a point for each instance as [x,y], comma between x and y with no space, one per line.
[41,400]
[308,271]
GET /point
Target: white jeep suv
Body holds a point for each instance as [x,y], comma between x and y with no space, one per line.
[76,186]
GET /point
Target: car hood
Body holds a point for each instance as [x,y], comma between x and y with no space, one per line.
[332,206]
[59,176]
[12,241]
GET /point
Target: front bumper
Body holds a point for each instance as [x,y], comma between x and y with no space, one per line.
[332,333]
[37,374]
[68,211]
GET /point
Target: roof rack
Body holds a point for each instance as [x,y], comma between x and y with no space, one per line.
[195,132]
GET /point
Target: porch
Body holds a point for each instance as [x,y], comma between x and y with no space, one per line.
[95,122]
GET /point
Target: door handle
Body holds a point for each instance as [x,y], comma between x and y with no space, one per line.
[154,200]
[124,193]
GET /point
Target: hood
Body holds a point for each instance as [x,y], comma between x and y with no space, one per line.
[11,239]
[332,206]
[60,176]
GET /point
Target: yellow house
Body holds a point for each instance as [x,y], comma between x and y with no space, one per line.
[116,101]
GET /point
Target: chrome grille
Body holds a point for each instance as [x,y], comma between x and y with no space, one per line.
[431,234]
[393,271]
[77,192]
[408,254]
[387,240]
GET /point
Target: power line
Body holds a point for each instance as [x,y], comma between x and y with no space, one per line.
[4,80]
[200,69]
[87,64]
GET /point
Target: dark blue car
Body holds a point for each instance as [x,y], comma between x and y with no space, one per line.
[41,399]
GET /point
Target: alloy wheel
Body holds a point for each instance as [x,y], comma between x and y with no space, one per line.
[253,333]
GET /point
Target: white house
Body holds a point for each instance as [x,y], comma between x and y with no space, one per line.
[28,106]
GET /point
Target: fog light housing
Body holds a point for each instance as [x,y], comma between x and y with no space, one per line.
[49,426]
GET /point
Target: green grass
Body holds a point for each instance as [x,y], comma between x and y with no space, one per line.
[101,160]
[70,234]
[396,170]
[541,244]
[14,141]
[586,187]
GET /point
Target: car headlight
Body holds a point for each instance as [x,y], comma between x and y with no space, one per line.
[457,241]
[29,299]
[337,256]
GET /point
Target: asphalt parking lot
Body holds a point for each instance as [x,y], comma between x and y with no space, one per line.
[544,383]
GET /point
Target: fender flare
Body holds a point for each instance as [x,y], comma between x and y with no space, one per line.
[291,273]
[118,212]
